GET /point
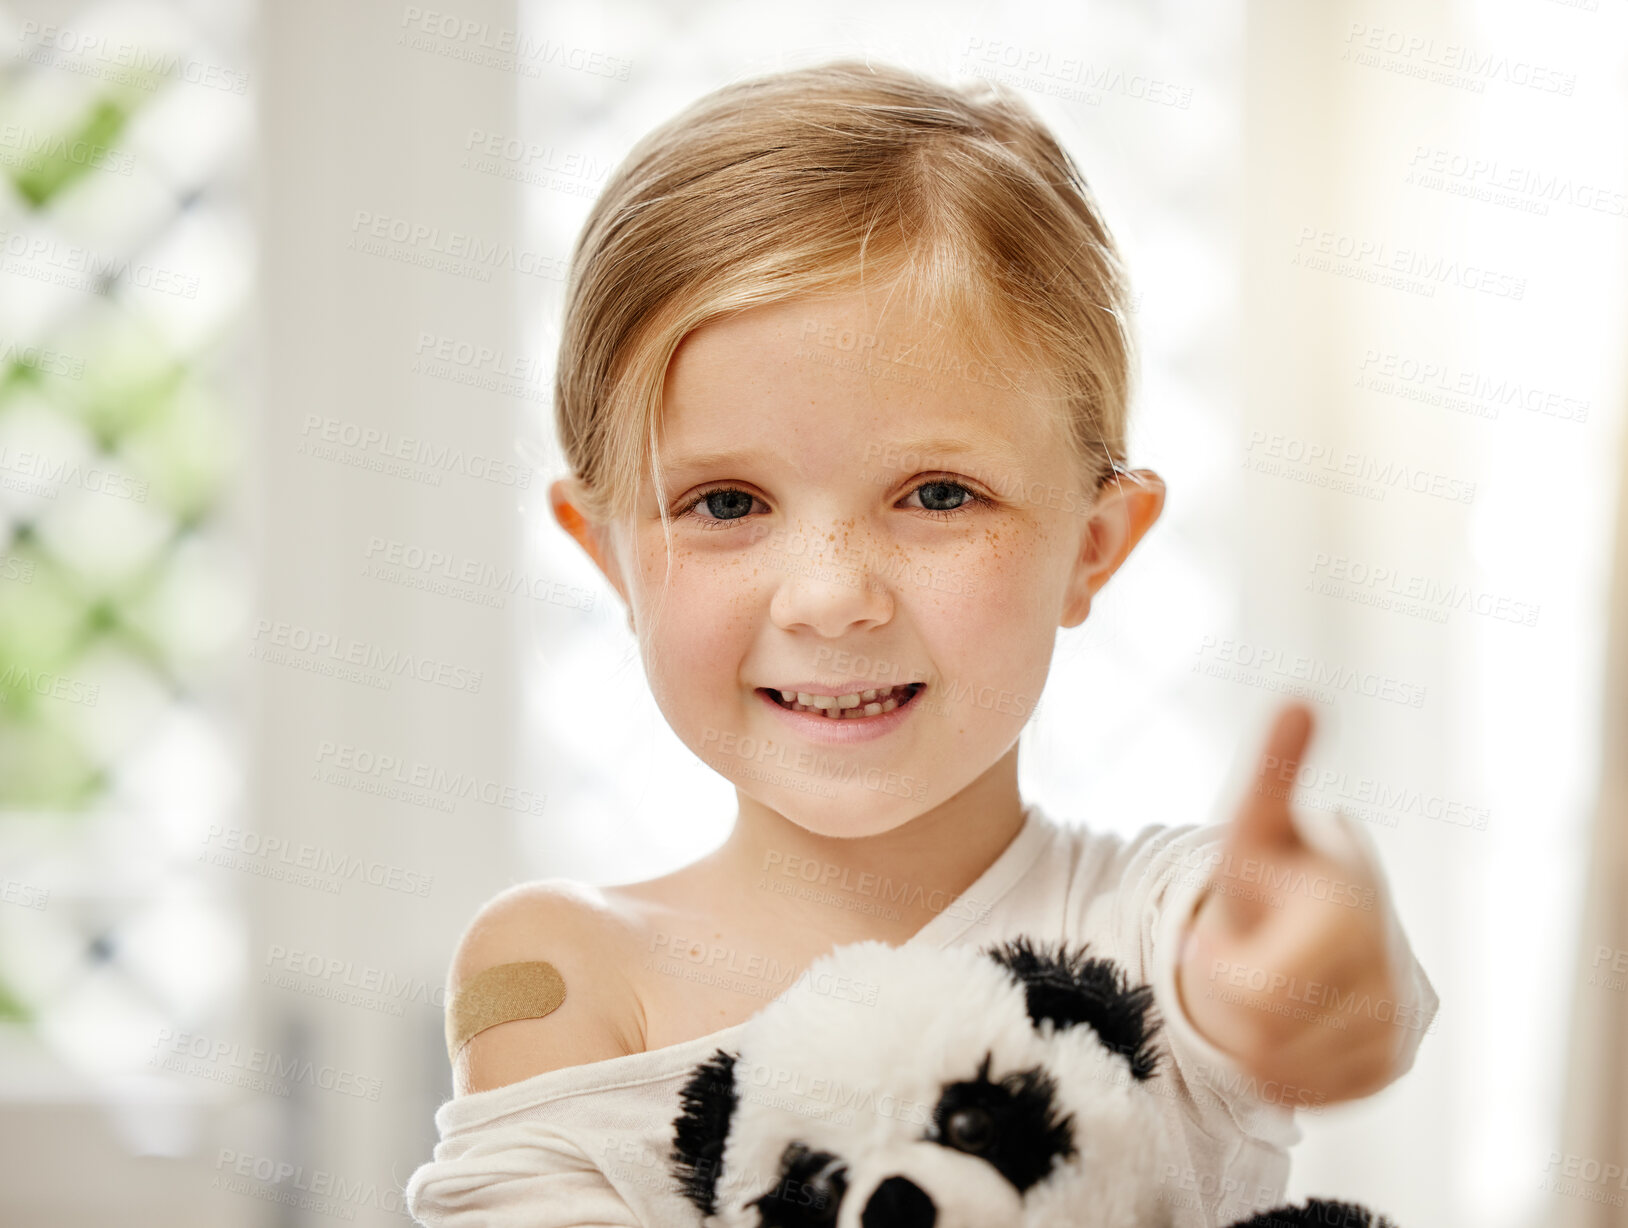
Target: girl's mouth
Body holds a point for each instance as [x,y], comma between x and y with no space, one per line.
[855,707]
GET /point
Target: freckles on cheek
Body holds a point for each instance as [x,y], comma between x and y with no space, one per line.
[1013,581]
[1005,573]
[702,619]
[1005,616]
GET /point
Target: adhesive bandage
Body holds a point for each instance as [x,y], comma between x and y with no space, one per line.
[527,990]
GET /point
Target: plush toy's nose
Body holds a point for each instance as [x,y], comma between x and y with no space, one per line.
[899,1203]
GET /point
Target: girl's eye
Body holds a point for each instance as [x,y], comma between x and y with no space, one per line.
[732,503]
[938,490]
[727,504]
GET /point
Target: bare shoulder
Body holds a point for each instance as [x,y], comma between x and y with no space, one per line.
[571,926]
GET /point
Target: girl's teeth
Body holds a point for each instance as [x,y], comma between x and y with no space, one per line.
[846,707]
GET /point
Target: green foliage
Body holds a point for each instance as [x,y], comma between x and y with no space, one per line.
[63,160]
[12,1008]
[145,414]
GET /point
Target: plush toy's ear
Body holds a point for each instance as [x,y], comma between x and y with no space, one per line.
[1069,988]
[702,1128]
[1318,1213]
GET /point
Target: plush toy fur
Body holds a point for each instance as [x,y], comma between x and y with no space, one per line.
[897,1087]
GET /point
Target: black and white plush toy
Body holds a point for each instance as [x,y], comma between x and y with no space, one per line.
[898,1087]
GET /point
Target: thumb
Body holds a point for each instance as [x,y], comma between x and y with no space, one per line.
[1263,828]
[1264,821]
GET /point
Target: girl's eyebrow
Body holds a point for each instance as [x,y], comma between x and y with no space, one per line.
[903,454]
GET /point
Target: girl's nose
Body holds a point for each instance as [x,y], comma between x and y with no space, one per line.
[829,596]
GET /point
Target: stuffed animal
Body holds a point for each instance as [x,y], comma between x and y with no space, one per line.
[899,1087]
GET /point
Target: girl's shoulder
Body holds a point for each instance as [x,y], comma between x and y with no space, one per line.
[569,941]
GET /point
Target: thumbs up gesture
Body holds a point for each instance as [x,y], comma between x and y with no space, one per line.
[1284,964]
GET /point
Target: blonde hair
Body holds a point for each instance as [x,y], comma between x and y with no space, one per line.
[792,184]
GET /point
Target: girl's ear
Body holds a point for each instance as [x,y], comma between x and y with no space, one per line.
[565,498]
[1127,504]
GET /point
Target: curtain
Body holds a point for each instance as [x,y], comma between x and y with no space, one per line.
[1591,1164]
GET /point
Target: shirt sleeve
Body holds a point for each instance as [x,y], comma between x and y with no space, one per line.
[1413,1014]
[1149,888]
[516,1176]
[1161,873]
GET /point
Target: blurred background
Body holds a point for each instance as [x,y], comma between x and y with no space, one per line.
[296,669]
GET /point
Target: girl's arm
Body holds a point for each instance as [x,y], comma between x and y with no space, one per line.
[1294,962]
[511,1169]
[560,926]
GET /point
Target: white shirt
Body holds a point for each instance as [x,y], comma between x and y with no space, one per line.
[588,1144]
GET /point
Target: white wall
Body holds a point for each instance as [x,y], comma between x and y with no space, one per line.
[355,121]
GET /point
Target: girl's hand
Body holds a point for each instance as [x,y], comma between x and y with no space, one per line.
[1284,964]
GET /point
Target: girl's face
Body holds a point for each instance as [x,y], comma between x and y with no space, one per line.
[854,509]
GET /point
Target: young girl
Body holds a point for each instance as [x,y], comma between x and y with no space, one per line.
[843,387]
